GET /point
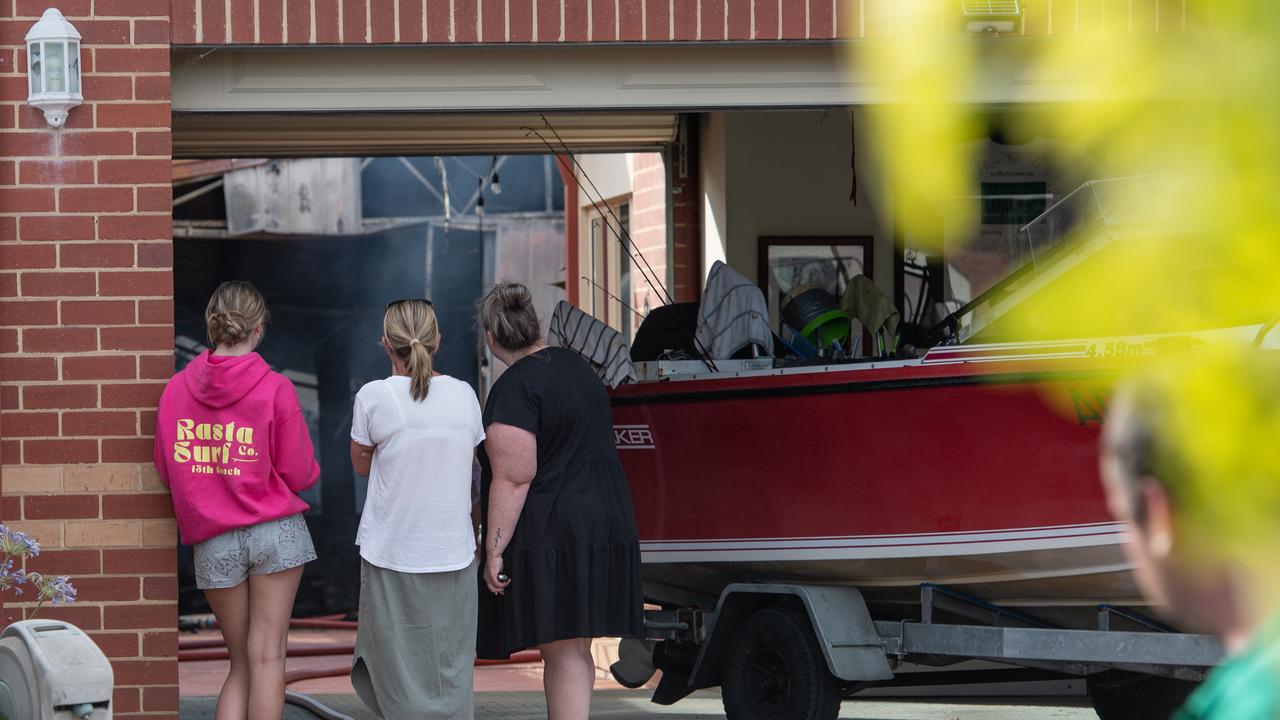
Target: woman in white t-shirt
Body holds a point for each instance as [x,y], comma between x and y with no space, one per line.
[414,435]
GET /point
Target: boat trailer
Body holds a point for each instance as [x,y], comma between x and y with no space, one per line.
[795,651]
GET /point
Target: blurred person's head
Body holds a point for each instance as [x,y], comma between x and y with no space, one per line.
[236,315]
[1189,461]
[411,337]
[509,320]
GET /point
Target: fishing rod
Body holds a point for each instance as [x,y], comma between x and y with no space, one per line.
[619,231]
[615,298]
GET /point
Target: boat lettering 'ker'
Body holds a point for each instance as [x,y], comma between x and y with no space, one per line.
[633,437]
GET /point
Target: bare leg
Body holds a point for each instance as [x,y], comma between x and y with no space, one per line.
[568,678]
[231,608]
[271,597]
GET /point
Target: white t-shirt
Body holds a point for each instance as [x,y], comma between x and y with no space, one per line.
[417,514]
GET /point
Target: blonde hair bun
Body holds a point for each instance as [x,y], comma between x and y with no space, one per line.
[234,311]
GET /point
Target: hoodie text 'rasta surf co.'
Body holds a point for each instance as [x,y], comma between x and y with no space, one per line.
[232,445]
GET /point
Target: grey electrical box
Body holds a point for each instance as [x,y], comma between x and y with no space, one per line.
[51,670]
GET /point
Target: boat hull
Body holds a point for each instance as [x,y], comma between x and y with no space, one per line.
[979,476]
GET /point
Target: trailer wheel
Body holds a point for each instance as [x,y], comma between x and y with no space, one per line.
[775,670]
[1130,696]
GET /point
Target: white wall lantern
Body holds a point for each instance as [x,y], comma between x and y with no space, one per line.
[53,67]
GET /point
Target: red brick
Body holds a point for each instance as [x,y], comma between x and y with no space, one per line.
[154,143]
[437,23]
[155,312]
[99,424]
[10,450]
[97,143]
[183,21]
[55,172]
[134,115]
[155,367]
[126,700]
[143,672]
[353,24]
[739,15]
[136,338]
[131,60]
[382,21]
[150,32]
[67,562]
[685,20]
[160,698]
[410,21]
[95,199]
[147,423]
[152,87]
[548,27]
[155,199]
[793,20]
[60,507]
[8,228]
[213,22]
[16,313]
[135,227]
[107,589]
[133,395]
[14,200]
[59,452]
[766,20]
[36,8]
[98,312]
[135,283]
[630,21]
[712,19]
[29,118]
[94,33]
[132,8]
[135,507]
[116,644]
[822,24]
[134,172]
[243,18]
[8,284]
[140,561]
[55,284]
[29,424]
[575,21]
[96,255]
[36,143]
[156,255]
[8,168]
[493,21]
[521,12]
[298,22]
[59,340]
[99,367]
[85,617]
[136,450]
[11,508]
[9,340]
[55,227]
[28,368]
[160,643]
[59,397]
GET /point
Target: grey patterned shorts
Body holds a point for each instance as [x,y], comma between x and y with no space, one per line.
[229,559]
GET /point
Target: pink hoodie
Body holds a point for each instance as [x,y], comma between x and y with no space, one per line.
[232,446]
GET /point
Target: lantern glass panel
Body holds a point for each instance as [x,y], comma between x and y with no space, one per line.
[37,69]
[55,67]
[73,67]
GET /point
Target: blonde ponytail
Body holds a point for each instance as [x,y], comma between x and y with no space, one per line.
[412,333]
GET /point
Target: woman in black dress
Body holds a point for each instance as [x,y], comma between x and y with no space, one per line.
[561,557]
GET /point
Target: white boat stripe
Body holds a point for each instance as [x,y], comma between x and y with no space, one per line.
[899,539]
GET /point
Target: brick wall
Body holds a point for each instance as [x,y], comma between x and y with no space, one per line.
[649,229]
[217,22]
[86,336]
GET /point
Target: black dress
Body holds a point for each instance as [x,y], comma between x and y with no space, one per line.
[574,558]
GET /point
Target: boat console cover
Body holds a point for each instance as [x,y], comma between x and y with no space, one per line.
[600,345]
[733,314]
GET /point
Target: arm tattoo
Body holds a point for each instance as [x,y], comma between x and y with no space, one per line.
[497,538]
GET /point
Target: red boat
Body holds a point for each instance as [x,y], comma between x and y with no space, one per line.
[974,467]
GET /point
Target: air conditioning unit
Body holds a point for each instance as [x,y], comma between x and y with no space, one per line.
[991,17]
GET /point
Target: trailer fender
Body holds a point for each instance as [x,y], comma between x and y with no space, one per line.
[838,615]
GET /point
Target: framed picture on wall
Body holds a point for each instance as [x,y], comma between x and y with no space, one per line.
[789,265]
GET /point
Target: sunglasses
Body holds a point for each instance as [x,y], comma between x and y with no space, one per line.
[393,303]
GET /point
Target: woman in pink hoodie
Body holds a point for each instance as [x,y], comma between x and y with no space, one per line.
[233,446]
